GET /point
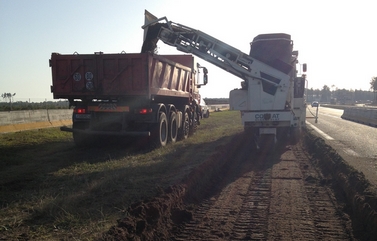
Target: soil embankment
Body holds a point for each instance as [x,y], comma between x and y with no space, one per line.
[300,191]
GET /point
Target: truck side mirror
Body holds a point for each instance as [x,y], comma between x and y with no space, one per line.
[205,79]
[205,76]
[304,67]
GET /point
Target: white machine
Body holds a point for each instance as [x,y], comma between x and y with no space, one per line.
[271,98]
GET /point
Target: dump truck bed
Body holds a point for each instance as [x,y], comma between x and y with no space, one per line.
[109,76]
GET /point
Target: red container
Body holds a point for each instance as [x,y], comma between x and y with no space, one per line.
[111,76]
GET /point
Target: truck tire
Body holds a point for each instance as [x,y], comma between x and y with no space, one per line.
[160,131]
[183,133]
[173,127]
[194,124]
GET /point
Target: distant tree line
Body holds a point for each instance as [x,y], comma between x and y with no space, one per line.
[334,95]
[373,87]
[24,105]
[216,101]
[327,94]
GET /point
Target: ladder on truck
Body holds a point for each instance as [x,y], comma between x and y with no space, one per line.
[222,55]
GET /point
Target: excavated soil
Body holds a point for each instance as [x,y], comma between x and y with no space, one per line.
[299,191]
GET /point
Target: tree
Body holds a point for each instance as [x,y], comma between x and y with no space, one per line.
[8,96]
[325,94]
[373,86]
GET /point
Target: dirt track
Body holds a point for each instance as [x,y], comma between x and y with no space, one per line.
[241,194]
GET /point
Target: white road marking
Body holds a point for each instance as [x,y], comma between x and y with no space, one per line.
[327,137]
[347,150]
[351,152]
[337,117]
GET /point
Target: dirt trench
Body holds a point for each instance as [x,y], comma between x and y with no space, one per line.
[300,191]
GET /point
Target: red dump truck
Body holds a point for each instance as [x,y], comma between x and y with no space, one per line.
[155,96]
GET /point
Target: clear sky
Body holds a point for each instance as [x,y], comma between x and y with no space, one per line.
[336,38]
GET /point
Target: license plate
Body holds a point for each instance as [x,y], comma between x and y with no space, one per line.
[109,108]
[82,116]
[263,131]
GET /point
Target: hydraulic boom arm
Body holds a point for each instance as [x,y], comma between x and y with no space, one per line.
[193,41]
[271,99]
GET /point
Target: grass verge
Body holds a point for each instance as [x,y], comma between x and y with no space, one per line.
[52,190]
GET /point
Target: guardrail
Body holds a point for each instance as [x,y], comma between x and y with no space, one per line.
[218,107]
[11,121]
[367,116]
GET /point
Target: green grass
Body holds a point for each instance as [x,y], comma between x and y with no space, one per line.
[52,190]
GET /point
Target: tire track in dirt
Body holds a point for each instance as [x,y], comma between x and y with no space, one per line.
[237,212]
[251,223]
[215,217]
[330,222]
[302,208]
[240,194]
[272,197]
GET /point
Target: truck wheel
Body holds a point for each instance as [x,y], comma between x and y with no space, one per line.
[184,131]
[194,124]
[173,127]
[160,132]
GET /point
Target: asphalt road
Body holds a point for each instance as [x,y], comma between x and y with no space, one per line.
[356,143]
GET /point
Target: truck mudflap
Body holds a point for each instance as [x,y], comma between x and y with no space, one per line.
[106,133]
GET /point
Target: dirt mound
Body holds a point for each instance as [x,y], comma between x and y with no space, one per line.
[151,219]
[157,218]
[154,219]
[349,184]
